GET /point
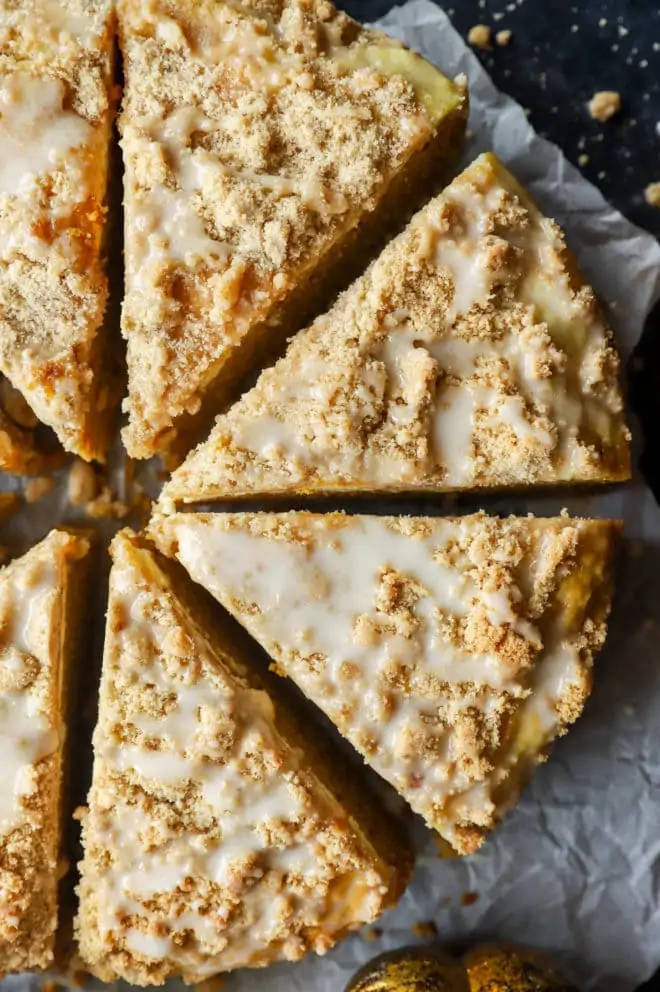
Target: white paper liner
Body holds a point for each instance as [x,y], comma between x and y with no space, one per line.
[576,866]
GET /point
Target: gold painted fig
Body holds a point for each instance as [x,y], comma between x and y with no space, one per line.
[422,969]
[506,968]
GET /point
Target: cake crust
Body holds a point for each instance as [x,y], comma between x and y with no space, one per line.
[470,355]
[35,658]
[450,652]
[256,137]
[211,843]
[57,105]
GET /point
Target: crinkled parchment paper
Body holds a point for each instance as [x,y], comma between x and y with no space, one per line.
[576,867]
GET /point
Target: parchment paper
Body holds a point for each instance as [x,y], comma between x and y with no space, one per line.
[576,867]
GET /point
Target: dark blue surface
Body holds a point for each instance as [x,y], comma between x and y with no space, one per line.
[560,54]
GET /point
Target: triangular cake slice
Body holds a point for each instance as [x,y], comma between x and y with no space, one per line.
[214,837]
[471,354]
[449,651]
[268,146]
[38,641]
[56,99]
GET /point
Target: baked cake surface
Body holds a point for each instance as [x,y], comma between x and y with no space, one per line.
[55,124]
[211,843]
[471,354]
[35,655]
[449,651]
[257,135]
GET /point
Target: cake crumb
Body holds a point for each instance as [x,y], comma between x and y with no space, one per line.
[49,986]
[583,160]
[604,105]
[375,933]
[652,194]
[425,929]
[37,488]
[9,503]
[480,36]
[106,505]
[213,984]
[83,484]
[469,898]
[503,37]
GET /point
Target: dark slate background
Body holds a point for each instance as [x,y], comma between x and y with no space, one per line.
[560,54]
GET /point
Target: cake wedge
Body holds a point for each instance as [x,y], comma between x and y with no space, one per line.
[268,146]
[39,633]
[56,112]
[219,834]
[449,651]
[471,355]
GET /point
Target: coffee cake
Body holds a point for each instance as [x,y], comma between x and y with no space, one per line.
[449,651]
[267,144]
[55,126]
[470,355]
[38,634]
[215,836]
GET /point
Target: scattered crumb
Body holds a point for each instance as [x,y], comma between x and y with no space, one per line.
[480,36]
[9,503]
[36,489]
[503,37]
[652,194]
[213,984]
[49,986]
[469,898]
[83,484]
[427,929]
[604,105]
[375,933]
[622,31]
[583,160]
[106,505]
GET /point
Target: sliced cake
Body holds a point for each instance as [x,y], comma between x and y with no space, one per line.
[268,144]
[449,651]
[471,354]
[38,635]
[56,109]
[215,836]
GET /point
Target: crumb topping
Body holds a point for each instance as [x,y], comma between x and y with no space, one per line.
[255,135]
[55,115]
[31,737]
[470,354]
[208,845]
[450,652]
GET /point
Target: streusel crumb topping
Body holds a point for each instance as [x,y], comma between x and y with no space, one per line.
[208,844]
[470,354]
[255,134]
[450,652]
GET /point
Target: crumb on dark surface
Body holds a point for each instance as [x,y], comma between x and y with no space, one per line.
[604,105]
[480,36]
[469,898]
